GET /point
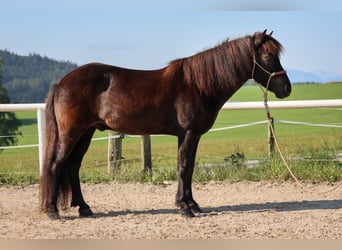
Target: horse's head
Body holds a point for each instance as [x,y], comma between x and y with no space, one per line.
[267,69]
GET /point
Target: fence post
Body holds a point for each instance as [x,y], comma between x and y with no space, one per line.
[41,137]
[271,138]
[146,154]
[114,151]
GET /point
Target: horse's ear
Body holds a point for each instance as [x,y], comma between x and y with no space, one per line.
[259,38]
[271,33]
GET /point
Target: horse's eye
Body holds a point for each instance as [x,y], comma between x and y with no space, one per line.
[267,57]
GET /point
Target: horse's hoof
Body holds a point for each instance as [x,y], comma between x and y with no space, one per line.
[53,215]
[85,212]
[196,209]
[187,213]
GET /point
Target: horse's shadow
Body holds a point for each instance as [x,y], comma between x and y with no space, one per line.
[281,206]
[254,207]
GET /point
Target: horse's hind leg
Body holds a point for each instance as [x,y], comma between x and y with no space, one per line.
[74,163]
[57,173]
[64,172]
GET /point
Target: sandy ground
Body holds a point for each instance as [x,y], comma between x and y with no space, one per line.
[247,210]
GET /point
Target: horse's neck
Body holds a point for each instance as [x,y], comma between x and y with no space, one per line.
[244,74]
[216,82]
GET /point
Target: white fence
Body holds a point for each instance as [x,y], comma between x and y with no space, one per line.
[40,109]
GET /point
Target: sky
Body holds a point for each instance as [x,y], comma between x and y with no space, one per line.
[149,34]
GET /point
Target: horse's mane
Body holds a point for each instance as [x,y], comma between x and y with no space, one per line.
[216,69]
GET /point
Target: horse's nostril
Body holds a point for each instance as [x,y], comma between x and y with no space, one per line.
[288,88]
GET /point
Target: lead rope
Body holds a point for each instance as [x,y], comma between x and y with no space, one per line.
[278,147]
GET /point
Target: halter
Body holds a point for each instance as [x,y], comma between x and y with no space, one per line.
[270,75]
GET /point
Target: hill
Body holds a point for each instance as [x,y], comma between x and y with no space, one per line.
[28,78]
[298,76]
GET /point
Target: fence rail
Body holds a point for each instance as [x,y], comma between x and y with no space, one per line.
[40,109]
[332,103]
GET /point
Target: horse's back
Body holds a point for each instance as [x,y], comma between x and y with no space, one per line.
[122,99]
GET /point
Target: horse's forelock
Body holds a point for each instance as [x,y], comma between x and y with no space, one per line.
[272,46]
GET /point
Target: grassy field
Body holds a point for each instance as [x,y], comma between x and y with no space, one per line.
[317,145]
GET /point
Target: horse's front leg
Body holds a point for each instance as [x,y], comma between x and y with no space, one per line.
[187,147]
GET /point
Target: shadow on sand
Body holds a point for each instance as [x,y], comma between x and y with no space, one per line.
[255,207]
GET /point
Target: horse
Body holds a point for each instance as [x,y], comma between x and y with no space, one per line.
[182,99]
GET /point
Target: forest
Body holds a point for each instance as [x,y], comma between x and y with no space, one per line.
[28,78]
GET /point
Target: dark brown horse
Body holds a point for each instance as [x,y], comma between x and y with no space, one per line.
[182,99]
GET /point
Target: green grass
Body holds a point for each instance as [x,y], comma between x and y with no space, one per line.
[299,92]
[316,146]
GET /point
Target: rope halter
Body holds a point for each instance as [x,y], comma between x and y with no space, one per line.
[270,75]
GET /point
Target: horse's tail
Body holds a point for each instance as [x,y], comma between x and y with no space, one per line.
[51,141]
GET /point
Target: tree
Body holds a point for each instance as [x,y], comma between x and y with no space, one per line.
[27,79]
[9,124]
